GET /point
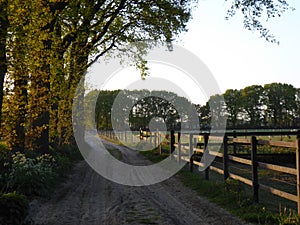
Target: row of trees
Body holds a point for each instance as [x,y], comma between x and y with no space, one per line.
[46,47]
[135,108]
[274,105]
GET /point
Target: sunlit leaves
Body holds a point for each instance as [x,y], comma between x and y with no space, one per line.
[256,12]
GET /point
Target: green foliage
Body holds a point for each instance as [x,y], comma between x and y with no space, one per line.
[51,44]
[63,164]
[141,105]
[5,160]
[31,176]
[258,11]
[154,154]
[232,196]
[13,208]
[69,151]
[233,105]
[65,157]
[287,217]
[274,105]
[281,102]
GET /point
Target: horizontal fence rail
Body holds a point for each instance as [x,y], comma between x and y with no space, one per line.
[236,138]
[199,143]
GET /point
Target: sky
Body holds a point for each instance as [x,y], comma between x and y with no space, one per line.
[236,57]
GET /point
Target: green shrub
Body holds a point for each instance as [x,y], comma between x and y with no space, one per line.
[70,152]
[5,162]
[13,208]
[288,216]
[63,163]
[31,176]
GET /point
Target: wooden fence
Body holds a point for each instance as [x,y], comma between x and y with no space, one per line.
[186,152]
[134,136]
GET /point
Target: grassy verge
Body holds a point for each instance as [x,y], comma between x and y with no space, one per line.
[114,152]
[154,155]
[234,196]
[25,176]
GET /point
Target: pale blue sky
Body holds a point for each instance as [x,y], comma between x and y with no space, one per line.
[236,57]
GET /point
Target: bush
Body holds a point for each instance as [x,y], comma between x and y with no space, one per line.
[31,176]
[5,161]
[13,208]
[69,151]
[63,164]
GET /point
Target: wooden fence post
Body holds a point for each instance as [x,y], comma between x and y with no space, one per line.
[179,147]
[172,142]
[159,143]
[206,136]
[160,148]
[298,169]
[234,144]
[191,145]
[254,169]
[225,158]
[191,152]
[156,139]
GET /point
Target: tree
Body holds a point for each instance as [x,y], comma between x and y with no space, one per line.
[17,67]
[252,104]
[297,113]
[217,108]
[255,11]
[158,105]
[3,44]
[280,101]
[204,115]
[99,27]
[62,39]
[137,108]
[233,105]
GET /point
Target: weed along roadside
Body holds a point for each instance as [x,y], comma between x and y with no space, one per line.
[254,175]
[25,177]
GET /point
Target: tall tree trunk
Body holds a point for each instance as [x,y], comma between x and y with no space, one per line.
[77,89]
[43,61]
[15,124]
[3,60]
[39,103]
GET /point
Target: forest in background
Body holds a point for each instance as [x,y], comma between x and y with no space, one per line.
[274,105]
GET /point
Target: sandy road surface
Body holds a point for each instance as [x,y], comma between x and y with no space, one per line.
[87,198]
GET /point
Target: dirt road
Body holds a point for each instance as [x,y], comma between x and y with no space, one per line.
[86,198]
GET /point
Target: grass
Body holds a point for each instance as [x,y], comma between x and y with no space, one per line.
[154,155]
[114,152]
[235,196]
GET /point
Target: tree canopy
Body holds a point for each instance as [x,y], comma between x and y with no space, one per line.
[274,105]
[46,46]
